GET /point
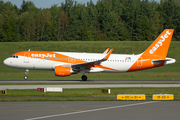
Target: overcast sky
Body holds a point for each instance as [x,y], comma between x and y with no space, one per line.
[47,3]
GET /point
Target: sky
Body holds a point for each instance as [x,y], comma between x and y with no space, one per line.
[47,3]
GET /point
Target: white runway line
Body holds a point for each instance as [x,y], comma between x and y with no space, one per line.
[93,110]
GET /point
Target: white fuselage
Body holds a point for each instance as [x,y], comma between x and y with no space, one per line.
[118,62]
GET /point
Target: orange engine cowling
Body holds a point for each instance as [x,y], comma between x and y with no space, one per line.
[62,71]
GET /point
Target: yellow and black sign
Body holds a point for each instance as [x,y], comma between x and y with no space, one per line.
[163,97]
[2,91]
[131,97]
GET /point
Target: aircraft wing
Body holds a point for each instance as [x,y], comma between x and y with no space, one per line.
[93,63]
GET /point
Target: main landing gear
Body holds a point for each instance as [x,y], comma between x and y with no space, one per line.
[26,74]
[84,77]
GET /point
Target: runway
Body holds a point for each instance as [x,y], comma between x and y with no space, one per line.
[90,81]
[93,83]
[90,110]
[97,110]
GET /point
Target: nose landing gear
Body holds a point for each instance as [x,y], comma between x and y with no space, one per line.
[26,74]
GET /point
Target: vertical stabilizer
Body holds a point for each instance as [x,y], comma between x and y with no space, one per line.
[160,46]
[156,51]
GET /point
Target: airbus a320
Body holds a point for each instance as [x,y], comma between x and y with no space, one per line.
[68,63]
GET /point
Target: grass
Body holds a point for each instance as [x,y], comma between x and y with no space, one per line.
[90,94]
[169,72]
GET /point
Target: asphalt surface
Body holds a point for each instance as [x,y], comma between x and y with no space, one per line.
[90,110]
[139,83]
[90,81]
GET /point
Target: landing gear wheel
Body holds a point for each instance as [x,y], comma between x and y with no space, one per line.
[25,77]
[84,77]
[26,74]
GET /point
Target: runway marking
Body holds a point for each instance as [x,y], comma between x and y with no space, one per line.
[93,110]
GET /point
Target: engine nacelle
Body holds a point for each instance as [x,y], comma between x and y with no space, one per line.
[63,71]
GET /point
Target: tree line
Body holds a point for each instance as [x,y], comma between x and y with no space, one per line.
[107,20]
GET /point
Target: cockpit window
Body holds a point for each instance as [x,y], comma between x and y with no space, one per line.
[14,56]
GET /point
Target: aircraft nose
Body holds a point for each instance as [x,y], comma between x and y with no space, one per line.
[6,62]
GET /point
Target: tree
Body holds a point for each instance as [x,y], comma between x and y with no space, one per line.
[8,23]
[27,26]
[1,28]
[43,25]
[27,7]
[106,20]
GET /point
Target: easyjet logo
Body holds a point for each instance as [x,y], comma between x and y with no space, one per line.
[43,55]
[160,42]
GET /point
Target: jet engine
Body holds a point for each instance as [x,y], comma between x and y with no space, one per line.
[63,71]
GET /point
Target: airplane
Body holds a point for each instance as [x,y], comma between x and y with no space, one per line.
[68,63]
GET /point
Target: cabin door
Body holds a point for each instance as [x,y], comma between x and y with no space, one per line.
[140,62]
[26,57]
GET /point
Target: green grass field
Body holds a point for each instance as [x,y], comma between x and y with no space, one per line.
[169,72]
[89,94]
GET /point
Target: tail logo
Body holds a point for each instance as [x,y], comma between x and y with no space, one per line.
[160,42]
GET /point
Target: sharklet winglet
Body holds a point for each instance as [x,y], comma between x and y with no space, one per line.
[107,56]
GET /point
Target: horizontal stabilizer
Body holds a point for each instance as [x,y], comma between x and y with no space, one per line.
[161,60]
[167,61]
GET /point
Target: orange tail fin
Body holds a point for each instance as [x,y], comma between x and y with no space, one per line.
[156,51]
[160,46]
